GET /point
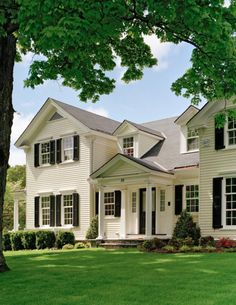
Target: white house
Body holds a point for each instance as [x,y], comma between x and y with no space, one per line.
[136,177]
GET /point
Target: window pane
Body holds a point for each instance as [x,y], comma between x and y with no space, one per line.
[68,209]
[128,146]
[109,202]
[192,198]
[45,210]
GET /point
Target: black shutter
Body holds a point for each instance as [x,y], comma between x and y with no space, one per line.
[52,211]
[178,199]
[96,203]
[217,202]
[219,138]
[58,154]
[36,154]
[75,209]
[117,203]
[36,211]
[58,210]
[76,148]
[52,152]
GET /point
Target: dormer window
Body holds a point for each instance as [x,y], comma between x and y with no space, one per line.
[128,146]
[192,139]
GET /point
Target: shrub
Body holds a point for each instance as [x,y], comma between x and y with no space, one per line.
[226,243]
[180,242]
[148,245]
[16,241]
[185,227]
[6,241]
[68,247]
[169,249]
[92,231]
[80,246]
[158,243]
[45,239]
[64,238]
[207,241]
[197,249]
[185,248]
[210,249]
[29,240]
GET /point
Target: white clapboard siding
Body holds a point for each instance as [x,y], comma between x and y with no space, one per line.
[103,151]
[59,177]
[212,164]
[112,228]
[145,143]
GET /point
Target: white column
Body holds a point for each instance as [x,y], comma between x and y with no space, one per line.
[123,215]
[101,214]
[16,215]
[148,225]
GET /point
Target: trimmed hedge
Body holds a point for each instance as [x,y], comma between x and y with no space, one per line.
[6,241]
[64,238]
[45,239]
[16,241]
[29,240]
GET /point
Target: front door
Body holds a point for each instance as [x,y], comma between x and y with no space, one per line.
[142,209]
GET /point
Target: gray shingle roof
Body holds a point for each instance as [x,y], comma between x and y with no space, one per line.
[91,120]
[167,152]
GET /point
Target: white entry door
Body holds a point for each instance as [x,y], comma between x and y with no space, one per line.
[164,211]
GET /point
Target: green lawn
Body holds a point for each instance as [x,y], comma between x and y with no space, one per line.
[119,277]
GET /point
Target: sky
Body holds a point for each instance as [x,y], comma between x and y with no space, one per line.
[146,100]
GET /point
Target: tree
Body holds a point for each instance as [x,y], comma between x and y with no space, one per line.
[79,40]
[16,180]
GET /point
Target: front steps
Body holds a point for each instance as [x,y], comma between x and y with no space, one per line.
[118,244]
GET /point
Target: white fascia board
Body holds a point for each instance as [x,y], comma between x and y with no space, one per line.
[186,115]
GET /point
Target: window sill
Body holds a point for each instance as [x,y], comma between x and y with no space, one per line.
[231,228]
[110,217]
[190,151]
[229,147]
[66,162]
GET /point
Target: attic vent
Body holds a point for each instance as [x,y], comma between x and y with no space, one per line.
[56,116]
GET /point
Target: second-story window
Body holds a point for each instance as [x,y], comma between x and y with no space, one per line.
[68,148]
[192,139]
[45,153]
[231,131]
[128,146]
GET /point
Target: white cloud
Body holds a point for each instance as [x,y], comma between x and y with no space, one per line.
[159,49]
[227,3]
[100,111]
[20,122]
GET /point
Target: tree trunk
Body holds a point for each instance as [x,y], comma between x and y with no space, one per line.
[7,59]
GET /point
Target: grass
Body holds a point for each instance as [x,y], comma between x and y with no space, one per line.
[119,277]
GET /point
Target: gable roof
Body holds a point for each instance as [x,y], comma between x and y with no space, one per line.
[184,117]
[91,120]
[141,128]
[145,164]
[85,118]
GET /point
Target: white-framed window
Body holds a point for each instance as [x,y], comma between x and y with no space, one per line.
[45,210]
[134,202]
[231,131]
[162,200]
[230,201]
[109,203]
[68,209]
[192,139]
[45,152]
[192,198]
[68,148]
[128,146]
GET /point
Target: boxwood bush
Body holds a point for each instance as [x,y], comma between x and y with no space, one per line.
[45,239]
[63,238]
[16,241]
[29,240]
[6,241]
[92,231]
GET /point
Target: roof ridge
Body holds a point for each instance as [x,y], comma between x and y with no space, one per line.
[81,109]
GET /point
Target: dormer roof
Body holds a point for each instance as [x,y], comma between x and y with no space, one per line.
[139,127]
